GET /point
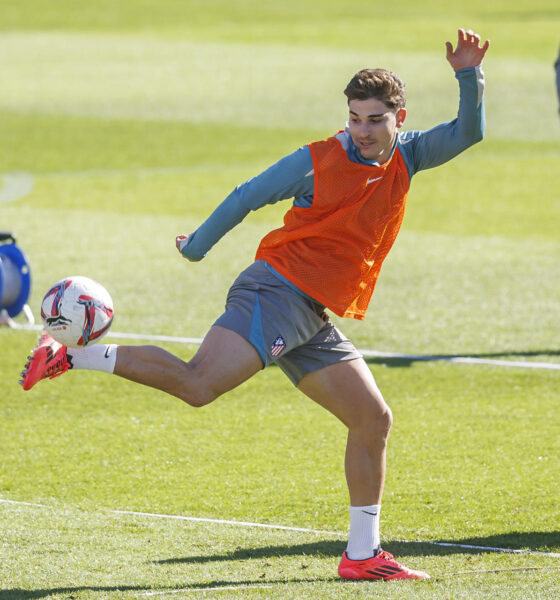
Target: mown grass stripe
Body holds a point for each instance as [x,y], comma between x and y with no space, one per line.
[300,530]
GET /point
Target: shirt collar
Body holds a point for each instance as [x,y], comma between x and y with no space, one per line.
[354,154]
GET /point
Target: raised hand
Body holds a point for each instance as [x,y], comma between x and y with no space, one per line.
[468,53]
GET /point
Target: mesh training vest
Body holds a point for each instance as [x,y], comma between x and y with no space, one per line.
[333,250]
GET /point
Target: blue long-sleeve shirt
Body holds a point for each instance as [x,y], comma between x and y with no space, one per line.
[292,176]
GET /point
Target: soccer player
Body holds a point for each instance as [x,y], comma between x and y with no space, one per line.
[349,197]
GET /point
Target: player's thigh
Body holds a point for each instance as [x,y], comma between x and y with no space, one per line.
[224,360]
[348,390]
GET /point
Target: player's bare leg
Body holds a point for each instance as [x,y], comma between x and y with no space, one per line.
[223,361]
[348,390]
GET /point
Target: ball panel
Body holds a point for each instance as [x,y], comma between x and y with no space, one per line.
[77,311]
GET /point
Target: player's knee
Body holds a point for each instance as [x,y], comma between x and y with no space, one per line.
[386,420]
[379,422]
[194,391]
[198,396]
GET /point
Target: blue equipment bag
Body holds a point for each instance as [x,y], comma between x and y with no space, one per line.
[15,276]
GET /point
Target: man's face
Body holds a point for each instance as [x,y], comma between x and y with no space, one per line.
[373,127]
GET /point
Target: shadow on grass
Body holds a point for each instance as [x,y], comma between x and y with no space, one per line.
[19,594]
[326,548]
[536,541]
[531,541]
[408,360]
[542,541]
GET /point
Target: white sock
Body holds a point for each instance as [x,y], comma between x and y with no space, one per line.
[99,357]
[363,539]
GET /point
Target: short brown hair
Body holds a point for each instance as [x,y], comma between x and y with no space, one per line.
[377,83]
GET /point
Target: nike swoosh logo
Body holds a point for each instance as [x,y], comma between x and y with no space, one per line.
[107,351]
[374,179]
[369,513]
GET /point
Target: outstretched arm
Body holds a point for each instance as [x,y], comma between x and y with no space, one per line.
[427,149]
[468,53]
[289,177]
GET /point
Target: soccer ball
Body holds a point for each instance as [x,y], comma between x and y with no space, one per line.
[77,311]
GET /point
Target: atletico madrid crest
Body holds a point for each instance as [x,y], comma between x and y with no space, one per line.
[277,346]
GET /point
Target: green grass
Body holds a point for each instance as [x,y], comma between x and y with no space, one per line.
[133,120]
[455,476]
[520,29]
[151,555]
[145,555]
[248,441]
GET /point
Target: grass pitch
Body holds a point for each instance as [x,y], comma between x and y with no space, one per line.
[129,122]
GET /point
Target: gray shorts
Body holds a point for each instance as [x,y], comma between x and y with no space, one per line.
[285,327]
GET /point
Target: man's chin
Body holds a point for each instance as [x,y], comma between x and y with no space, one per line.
[369,153]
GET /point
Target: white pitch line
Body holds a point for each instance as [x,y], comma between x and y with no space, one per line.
[301,530]
[23,503]
[461,359]
[155,338]
[337,533]
[486,548]
[226,522]
[512,570]
[365,352]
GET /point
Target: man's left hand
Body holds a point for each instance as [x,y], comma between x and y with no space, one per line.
[468,53]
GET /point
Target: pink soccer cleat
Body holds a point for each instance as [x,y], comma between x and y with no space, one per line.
[48,359]
[383,566]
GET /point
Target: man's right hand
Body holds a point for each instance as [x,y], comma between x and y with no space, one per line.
[180,242]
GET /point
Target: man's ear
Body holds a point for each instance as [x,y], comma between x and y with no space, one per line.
[401,116]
